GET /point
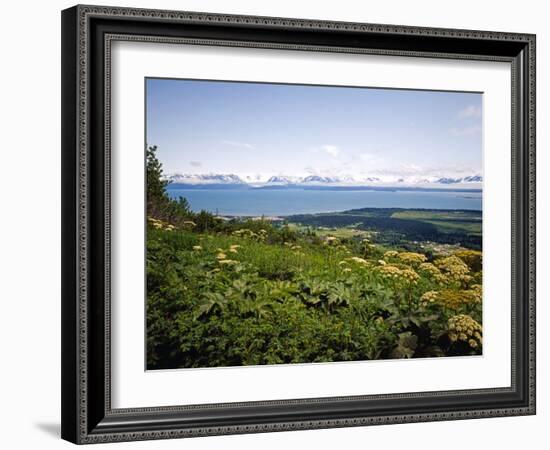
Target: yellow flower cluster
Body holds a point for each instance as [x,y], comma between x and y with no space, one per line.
[473,258]
[190,224]
[432,271]
[227,262]
[455,299]
[222,257]
[452,299]
[476,292]
[358,260]
[234,248]
[197,248]
[411,258]
[355,260]
[391,272]
[331,240]
[390,254]
[160,225]
[410,275]
[464,328]
[428,297]
[247,233]
[453,268]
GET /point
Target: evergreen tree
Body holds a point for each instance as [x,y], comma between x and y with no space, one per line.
[156,194]
[161,206]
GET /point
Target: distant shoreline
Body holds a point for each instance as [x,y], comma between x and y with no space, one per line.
[276,218]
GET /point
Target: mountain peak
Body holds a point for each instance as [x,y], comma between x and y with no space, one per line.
[258,180]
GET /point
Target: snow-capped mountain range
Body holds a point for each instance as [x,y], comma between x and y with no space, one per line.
[267,180]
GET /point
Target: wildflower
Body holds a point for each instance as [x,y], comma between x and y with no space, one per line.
[391,272]
[473,258]
[360,261]
[197,248]
[428,297]
[430,269]
[454,268]
[330,240]
[476,292]
[221,255]
[347,269]
[390,254]
[156,223]
[464,328]
[382,262]
[227,262]
[190,223]
[411,258]
[454,299]
[410,275]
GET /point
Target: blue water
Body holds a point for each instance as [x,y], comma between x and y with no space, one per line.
[256,202]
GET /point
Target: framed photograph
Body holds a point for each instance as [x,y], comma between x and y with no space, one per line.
[278,224]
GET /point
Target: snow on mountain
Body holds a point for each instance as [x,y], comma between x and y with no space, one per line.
[473,179]
[208,178]
[260,180]
[468,179]
[317,179]
[283,179]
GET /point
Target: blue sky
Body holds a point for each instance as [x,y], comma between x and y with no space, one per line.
[252,128]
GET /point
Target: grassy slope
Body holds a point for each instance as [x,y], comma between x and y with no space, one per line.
[280,303]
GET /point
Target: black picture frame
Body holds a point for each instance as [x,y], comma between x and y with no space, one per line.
[87,416]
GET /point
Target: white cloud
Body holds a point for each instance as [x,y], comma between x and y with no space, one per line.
[468,131]
[238,144]
[368,157]
[310,170]
[409,170]
[331,150]
[470,111]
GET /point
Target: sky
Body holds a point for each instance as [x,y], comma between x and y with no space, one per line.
[243,128]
